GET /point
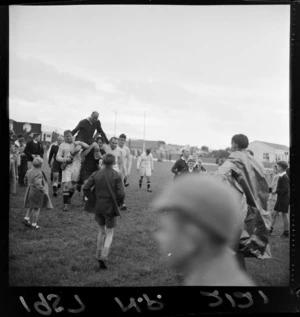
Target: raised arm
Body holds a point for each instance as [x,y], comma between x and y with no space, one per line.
[100,130]
[174,169]
[78,128]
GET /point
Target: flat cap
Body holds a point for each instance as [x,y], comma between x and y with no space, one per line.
[206,200]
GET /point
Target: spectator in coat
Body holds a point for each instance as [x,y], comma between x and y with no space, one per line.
[272,189]
[181,164]
[36,196]
[23,167]
[283,198]
[198,221]
[13,168]
[108,195]
[55,165]
[34,148]
[86,128]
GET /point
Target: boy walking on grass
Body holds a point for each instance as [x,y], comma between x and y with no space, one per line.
[283,198]
[108,195]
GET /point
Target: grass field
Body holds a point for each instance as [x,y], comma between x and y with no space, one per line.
[61,252]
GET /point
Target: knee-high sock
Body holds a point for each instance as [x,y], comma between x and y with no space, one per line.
[66,198]
[107,242]
[71,192]
[141,181]
[148,183]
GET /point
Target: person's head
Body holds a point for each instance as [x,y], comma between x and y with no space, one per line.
[274,167]
[59,139]
[250,151]
[68,136]
[37,162]
[99,141]
[36,137]
[199,217]
[94,116]
[113,143]
[108,160]
[185,152]
[21,141]
[239,142]
[148,151]
[12,147]
[282,166]
[122,140]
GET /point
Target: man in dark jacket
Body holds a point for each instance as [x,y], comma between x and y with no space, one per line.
[108,195]
[34,148]
[181,164]
[87,127]
[283,198]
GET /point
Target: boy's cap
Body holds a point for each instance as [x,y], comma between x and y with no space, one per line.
[207,201]
[283,164]
[37,161]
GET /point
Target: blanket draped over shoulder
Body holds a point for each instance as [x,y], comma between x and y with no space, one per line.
[243,172]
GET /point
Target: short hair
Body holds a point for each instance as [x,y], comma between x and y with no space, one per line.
[284,165]
[21,139]
[108,159]
[20,136]
[99,138]
[36,134]
[37,162]
[67,132]
[250,151]
[113,138]
[148,151]
[95,113]
[240,140]
[122,136]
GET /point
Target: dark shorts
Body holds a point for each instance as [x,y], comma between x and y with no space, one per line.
[56,167]
[108,221]
[85,173]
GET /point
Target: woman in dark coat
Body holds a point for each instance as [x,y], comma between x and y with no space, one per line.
[107,193]
[283,198]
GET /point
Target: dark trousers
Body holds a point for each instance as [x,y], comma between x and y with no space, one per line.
[22,169]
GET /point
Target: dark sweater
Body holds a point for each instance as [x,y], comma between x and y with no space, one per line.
[53,152]
[86,131]
[33,148]
[179,166]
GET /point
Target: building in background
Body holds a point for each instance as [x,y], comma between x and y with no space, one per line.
[269,152]
[46,136]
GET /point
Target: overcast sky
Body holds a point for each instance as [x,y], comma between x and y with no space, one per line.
[200,73]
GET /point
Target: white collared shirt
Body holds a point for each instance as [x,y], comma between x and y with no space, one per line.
[282,174]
